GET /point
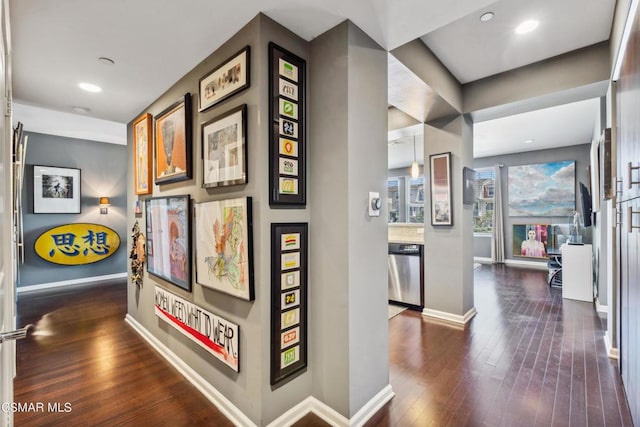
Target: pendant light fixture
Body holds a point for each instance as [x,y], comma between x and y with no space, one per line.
[415,170]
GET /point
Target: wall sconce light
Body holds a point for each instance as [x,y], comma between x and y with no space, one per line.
[104,205]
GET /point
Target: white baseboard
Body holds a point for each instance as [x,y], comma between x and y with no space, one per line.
[602,309]
[43,286]
[331,416]
[235,415]
[612,352]
[527,264]
[482,260]
[450,317]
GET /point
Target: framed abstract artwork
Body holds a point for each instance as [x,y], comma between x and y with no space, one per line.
[224,149]
[227,79]
[142,154]
[169,239]
[441,209]
[224,246]
[172,142]
[56,190]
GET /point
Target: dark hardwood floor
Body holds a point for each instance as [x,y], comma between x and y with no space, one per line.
[527,359]
[82,353]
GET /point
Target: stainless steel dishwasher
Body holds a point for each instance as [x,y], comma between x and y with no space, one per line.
[405,274]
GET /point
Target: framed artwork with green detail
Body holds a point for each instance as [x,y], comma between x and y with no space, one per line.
[224,246]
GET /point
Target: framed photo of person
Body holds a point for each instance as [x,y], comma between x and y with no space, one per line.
[142,154]
[56,190]
[224,149]
[229,78]
[172,142]
[531,240]
[169,239]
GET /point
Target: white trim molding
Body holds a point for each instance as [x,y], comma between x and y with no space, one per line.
[84,280]
[601,309]
[235,415]
[527,264]
[482,260]
[612,352]
[450,317]
[330,415]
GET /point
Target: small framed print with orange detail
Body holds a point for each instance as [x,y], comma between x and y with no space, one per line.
[287,172]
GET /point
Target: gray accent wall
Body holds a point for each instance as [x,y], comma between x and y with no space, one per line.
[579,153]
[102,173]
[348,264]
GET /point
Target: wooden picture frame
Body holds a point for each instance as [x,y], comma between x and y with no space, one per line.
[441,196]
[224,246]
[289,264]
[172,142]
[287,122]
[226,80]
[142,141]
[56,190]
[169,239]
[224,149]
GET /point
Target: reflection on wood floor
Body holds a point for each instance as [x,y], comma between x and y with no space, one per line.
[528,358]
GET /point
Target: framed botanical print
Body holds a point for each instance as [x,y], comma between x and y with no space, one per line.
[227,79]
[224,149]
[224,246]
[142,154]
[56,190]
[172,142]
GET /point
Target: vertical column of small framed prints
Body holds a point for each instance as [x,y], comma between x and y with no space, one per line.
[287,171]
[288,300]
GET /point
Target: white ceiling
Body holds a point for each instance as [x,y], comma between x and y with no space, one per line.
[56,44]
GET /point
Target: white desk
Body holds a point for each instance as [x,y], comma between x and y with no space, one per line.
[577,272]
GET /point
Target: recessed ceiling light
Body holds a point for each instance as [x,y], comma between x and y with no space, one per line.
[529,141]
[488,16]
[89,87]
[527,26]
[106,61]
[80,110]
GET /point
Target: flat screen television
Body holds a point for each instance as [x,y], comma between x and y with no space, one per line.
[585,198]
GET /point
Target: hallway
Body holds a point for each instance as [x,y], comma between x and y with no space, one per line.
[528,358]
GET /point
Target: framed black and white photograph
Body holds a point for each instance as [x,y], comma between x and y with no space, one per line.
[229,78]
[56,190]
[224,149]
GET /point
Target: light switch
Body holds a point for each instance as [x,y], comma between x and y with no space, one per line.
[374,203]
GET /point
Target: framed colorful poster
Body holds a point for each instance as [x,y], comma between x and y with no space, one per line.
[169,239]
[224,149]
[441,209]
[531,240]
[229,78]
[56,190]
[288,300]
[224,246]
[287,171]
[173,142]
[142,154]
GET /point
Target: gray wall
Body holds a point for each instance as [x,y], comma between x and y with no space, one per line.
[349,248]
[102,174]
[579,153]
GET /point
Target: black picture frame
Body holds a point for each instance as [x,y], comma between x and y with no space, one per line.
[289,258]
[441,194]
[172,144]
[232,76]
[225,138]
[169,232]
[287,136]
[469,186]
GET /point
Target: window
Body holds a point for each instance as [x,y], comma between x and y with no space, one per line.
[415,202]
[393,191]
[483,207]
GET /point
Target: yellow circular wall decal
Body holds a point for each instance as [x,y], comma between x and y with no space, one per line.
[77,244]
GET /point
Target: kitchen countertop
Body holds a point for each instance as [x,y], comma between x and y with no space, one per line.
[406,233]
